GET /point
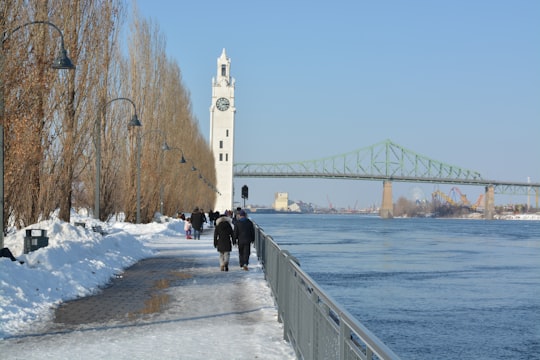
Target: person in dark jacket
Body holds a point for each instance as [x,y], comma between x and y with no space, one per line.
[197,221]
[244,234]
[223,235]
[5,252]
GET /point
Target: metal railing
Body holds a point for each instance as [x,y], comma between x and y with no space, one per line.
[316,325]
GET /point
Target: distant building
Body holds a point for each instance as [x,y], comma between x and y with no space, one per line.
[281,201]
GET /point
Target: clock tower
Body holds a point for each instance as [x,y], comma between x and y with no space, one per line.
[222,113]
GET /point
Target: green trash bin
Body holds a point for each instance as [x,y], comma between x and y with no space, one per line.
[35,239]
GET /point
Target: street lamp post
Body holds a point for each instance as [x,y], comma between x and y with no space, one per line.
[133,122]
[62,61]
[164,147]
[182,161]
[138,220]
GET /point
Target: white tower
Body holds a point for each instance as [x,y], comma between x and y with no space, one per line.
[222,113]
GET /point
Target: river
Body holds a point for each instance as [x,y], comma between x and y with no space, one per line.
[428,288]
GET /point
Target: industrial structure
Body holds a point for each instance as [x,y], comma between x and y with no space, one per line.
[389,162]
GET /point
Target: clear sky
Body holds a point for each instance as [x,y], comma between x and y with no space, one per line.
[457,81]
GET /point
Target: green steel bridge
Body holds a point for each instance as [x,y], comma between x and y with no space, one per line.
[385,161]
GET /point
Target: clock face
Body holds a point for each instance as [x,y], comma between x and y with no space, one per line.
[222,104]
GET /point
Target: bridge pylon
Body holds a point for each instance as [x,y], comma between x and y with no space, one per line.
[489,207]
[387,208]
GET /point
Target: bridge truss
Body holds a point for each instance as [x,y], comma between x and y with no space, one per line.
[385,161]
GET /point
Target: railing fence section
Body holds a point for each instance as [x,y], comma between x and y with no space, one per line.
[317,327]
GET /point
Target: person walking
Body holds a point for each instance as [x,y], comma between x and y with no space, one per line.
[211,218]
[244,235]
[223,235]
[236,215]
[205,220]
[197,221]
[188,227]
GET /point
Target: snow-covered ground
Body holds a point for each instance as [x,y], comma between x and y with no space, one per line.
[533,217]
[77,261]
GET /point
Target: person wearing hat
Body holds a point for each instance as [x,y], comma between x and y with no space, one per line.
[244,235]
[223,234]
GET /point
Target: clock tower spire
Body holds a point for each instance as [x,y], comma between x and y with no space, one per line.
[222,111]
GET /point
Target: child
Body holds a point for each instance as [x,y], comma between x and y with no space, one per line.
[187,228]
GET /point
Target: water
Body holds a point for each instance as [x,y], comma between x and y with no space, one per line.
[428,288]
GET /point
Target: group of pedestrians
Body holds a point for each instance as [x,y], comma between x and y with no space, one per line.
[229,232]
[194,224]
[230,229]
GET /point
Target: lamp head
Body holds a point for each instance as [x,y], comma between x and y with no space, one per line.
[165,146]
[62,61]
[134,121]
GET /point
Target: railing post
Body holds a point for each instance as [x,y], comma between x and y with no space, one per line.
[282,286]
[345,333]
[314,334]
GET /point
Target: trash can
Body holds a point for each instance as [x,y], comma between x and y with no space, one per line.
[35,239]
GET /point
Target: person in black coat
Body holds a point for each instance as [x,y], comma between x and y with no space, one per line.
[244,234]
[223,234]
[5,252]
[197,220]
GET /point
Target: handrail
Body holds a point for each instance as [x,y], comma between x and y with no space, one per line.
[314,323]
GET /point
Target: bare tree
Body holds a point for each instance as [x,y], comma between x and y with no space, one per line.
[50,116]
[107,118]
[156,83]
[30,48]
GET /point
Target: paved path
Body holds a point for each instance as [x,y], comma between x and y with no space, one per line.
[176,305]
[134,295]
[142,293]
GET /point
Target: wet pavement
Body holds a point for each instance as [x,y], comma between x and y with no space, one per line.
[137,292]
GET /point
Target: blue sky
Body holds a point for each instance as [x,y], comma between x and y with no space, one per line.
[457,81]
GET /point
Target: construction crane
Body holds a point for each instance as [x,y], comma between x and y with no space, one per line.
[439,194]
[353,210]
[463,201]
[478,202]
[462,197]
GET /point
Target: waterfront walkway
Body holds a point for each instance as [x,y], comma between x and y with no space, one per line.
[175,305]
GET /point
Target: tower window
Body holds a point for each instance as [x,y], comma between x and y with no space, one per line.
[226,157]
[223,70]
[221,144]
[227,133]
[220,157]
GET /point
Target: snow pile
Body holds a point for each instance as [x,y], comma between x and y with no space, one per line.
[76,261]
